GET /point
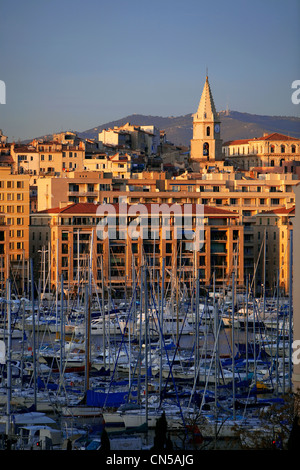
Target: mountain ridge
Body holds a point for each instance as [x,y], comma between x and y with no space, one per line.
[235,125]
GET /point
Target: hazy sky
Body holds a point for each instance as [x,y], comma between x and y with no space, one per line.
[77,64]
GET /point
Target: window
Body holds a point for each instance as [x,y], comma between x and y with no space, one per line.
[282,148]
[293,149]
[208,131]
[206,149]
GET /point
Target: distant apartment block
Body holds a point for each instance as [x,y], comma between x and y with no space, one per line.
[143,138]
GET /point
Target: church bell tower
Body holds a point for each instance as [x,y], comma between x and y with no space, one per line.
[206,144]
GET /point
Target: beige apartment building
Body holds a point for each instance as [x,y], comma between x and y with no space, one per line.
[95,186]
[145,139]
[270,150]
[47,157]
[119,165]
[14,208]
[271,249]
[75,243]
[245,195]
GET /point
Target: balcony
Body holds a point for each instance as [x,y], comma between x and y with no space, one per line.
[83,193]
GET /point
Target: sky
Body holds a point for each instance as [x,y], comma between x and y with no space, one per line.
[78,64]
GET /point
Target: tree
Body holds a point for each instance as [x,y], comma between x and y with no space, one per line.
[279,426]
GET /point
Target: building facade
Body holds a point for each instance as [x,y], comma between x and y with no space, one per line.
[15,208]
[75,242]
[270,150]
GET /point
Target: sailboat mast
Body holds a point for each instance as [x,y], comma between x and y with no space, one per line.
[8,296]
[161,323]
[146,343]
[232,331]
[290,305]
[33,332]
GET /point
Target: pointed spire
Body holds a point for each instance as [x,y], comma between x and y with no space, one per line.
[206,108]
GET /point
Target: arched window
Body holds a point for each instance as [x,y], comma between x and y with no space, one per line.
[293,148]
[206,149]
[272,149]
[272,162]
[208,131]
[282,148]
[281,161]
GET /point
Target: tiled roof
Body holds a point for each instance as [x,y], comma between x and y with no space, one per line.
[91,208]
[237,142]
[275,136]
[279,211]
[6,159]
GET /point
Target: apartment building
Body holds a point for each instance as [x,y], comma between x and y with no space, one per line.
[15,208]
[119,165]
[76,244]
[142,138]
[238,191]
[95,186]
[270,150]
[271,249]
[48,157]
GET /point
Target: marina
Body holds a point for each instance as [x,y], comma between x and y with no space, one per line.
[212,365]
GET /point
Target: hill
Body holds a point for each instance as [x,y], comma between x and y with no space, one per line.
[234,125]
[179,129]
